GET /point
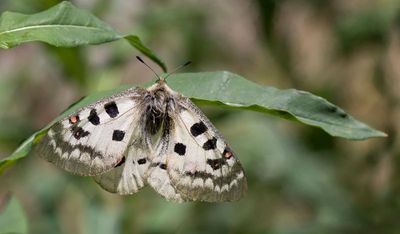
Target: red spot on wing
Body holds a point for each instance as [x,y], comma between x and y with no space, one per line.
[74,119]
[227,154]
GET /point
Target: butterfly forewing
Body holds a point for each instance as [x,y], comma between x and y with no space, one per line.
[94,139]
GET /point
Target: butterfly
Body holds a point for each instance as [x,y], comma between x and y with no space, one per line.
[153,136]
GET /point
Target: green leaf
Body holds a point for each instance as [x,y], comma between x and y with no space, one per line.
[13,218]
[63,25]
[233,91]
[137,43]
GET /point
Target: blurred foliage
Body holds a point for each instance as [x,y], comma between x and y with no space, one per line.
[300,179]
[12,217]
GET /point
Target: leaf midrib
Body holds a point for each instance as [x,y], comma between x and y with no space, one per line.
[51,26]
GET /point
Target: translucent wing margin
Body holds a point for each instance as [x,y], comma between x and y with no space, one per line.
[129,175]
[158,177]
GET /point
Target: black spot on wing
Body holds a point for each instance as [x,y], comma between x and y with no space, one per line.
[93,117]
[142,161]
[210,144]
[121,162]
[111,109]
[216,163]
[200,174]
[163,166]
[118,135]
[180,148]
[198,128]
[78,132]
[67,147]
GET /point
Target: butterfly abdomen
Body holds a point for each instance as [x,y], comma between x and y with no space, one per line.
[153,119]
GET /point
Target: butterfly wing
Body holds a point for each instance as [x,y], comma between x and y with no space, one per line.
[209,170]
[129,175]
[95,138]
[158,176]
[197,162]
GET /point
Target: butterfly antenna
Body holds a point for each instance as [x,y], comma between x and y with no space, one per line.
[155,73]
[178,68]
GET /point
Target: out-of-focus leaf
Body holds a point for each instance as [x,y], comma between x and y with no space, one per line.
[230,90]
[12,218]
[14,131]
[73,63]
[63,25]
[369,25]
[100,221]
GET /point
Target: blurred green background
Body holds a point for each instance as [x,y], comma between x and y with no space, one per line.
[301,180]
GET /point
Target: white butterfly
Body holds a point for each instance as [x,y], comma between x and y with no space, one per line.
[151,136]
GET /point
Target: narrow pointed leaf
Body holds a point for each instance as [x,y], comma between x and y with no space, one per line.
[231,90]
[137,43]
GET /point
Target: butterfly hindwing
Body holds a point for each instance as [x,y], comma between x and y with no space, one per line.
[129,175]
[95,138]
[158,176]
